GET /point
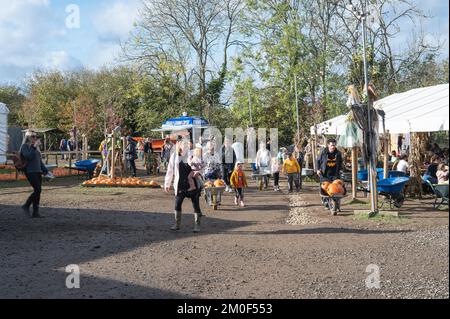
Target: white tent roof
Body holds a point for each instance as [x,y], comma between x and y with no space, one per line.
[419,110]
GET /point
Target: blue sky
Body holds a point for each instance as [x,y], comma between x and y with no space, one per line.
[33,33]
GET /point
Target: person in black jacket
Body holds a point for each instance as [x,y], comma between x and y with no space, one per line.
[228,163]
[330,162]
[131,155]
[34,170]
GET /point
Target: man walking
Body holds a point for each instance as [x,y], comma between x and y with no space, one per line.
[131,155]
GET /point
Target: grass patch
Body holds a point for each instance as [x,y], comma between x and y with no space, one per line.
[379,218]
[357,201]
[310,179]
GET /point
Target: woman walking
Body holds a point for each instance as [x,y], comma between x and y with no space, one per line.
[178,171]
[34,170]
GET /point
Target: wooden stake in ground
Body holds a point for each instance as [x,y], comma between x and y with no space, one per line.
[124,149]
[113,155]
[354,171]
[85,150]
[313,149]
[386,154]
[416,159]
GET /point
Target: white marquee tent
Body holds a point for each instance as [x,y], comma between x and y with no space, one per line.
[3,132]
[419,110]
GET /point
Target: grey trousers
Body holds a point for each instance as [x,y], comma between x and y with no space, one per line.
[294,178]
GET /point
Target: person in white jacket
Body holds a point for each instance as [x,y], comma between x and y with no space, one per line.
[178,171]
[276,165]
[264,163]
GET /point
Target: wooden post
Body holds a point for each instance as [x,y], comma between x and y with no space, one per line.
[113,155]
[307,160]
[45,149]
[86,147]
[386,155]
[124,149]
[83,154]
[314,152]
[70,163]
[354,171]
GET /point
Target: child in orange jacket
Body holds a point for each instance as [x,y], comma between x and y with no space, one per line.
[238,181]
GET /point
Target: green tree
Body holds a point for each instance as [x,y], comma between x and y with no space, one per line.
[12,96]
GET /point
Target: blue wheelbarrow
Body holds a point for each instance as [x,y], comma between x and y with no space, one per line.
[392,189]
[363,175]
[87,166]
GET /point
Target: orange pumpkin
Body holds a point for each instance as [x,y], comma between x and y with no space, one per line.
[339,182]
[325,186]
[219,183]
[335,189]
[209,184]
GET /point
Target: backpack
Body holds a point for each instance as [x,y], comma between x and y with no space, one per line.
[19,162]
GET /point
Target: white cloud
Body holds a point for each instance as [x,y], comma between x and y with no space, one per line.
[115,21]
[26,29]
[104,54]
[60,60]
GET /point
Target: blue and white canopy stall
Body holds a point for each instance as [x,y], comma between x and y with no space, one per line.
[184,125]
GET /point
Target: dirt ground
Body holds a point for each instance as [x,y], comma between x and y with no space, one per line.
[121,241]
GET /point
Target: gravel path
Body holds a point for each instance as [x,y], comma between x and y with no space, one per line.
[279,246]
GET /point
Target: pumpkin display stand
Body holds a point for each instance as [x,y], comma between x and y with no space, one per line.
[213,193]
[103,182]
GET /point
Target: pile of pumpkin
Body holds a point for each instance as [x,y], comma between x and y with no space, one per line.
[334,188]
[120,182]
[7,167]
[11,177]
[63,172]
[216,183]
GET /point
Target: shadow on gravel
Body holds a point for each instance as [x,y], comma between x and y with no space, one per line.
[90,288]
[35,250]
[262,208]
[320,230]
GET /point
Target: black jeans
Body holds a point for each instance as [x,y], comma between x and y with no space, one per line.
[276,179]
[227,171]
[132,166]
[239,193]
[35,180]
[193,195]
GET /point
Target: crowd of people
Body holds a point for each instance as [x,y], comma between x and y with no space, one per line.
[188,166]
[435,165]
